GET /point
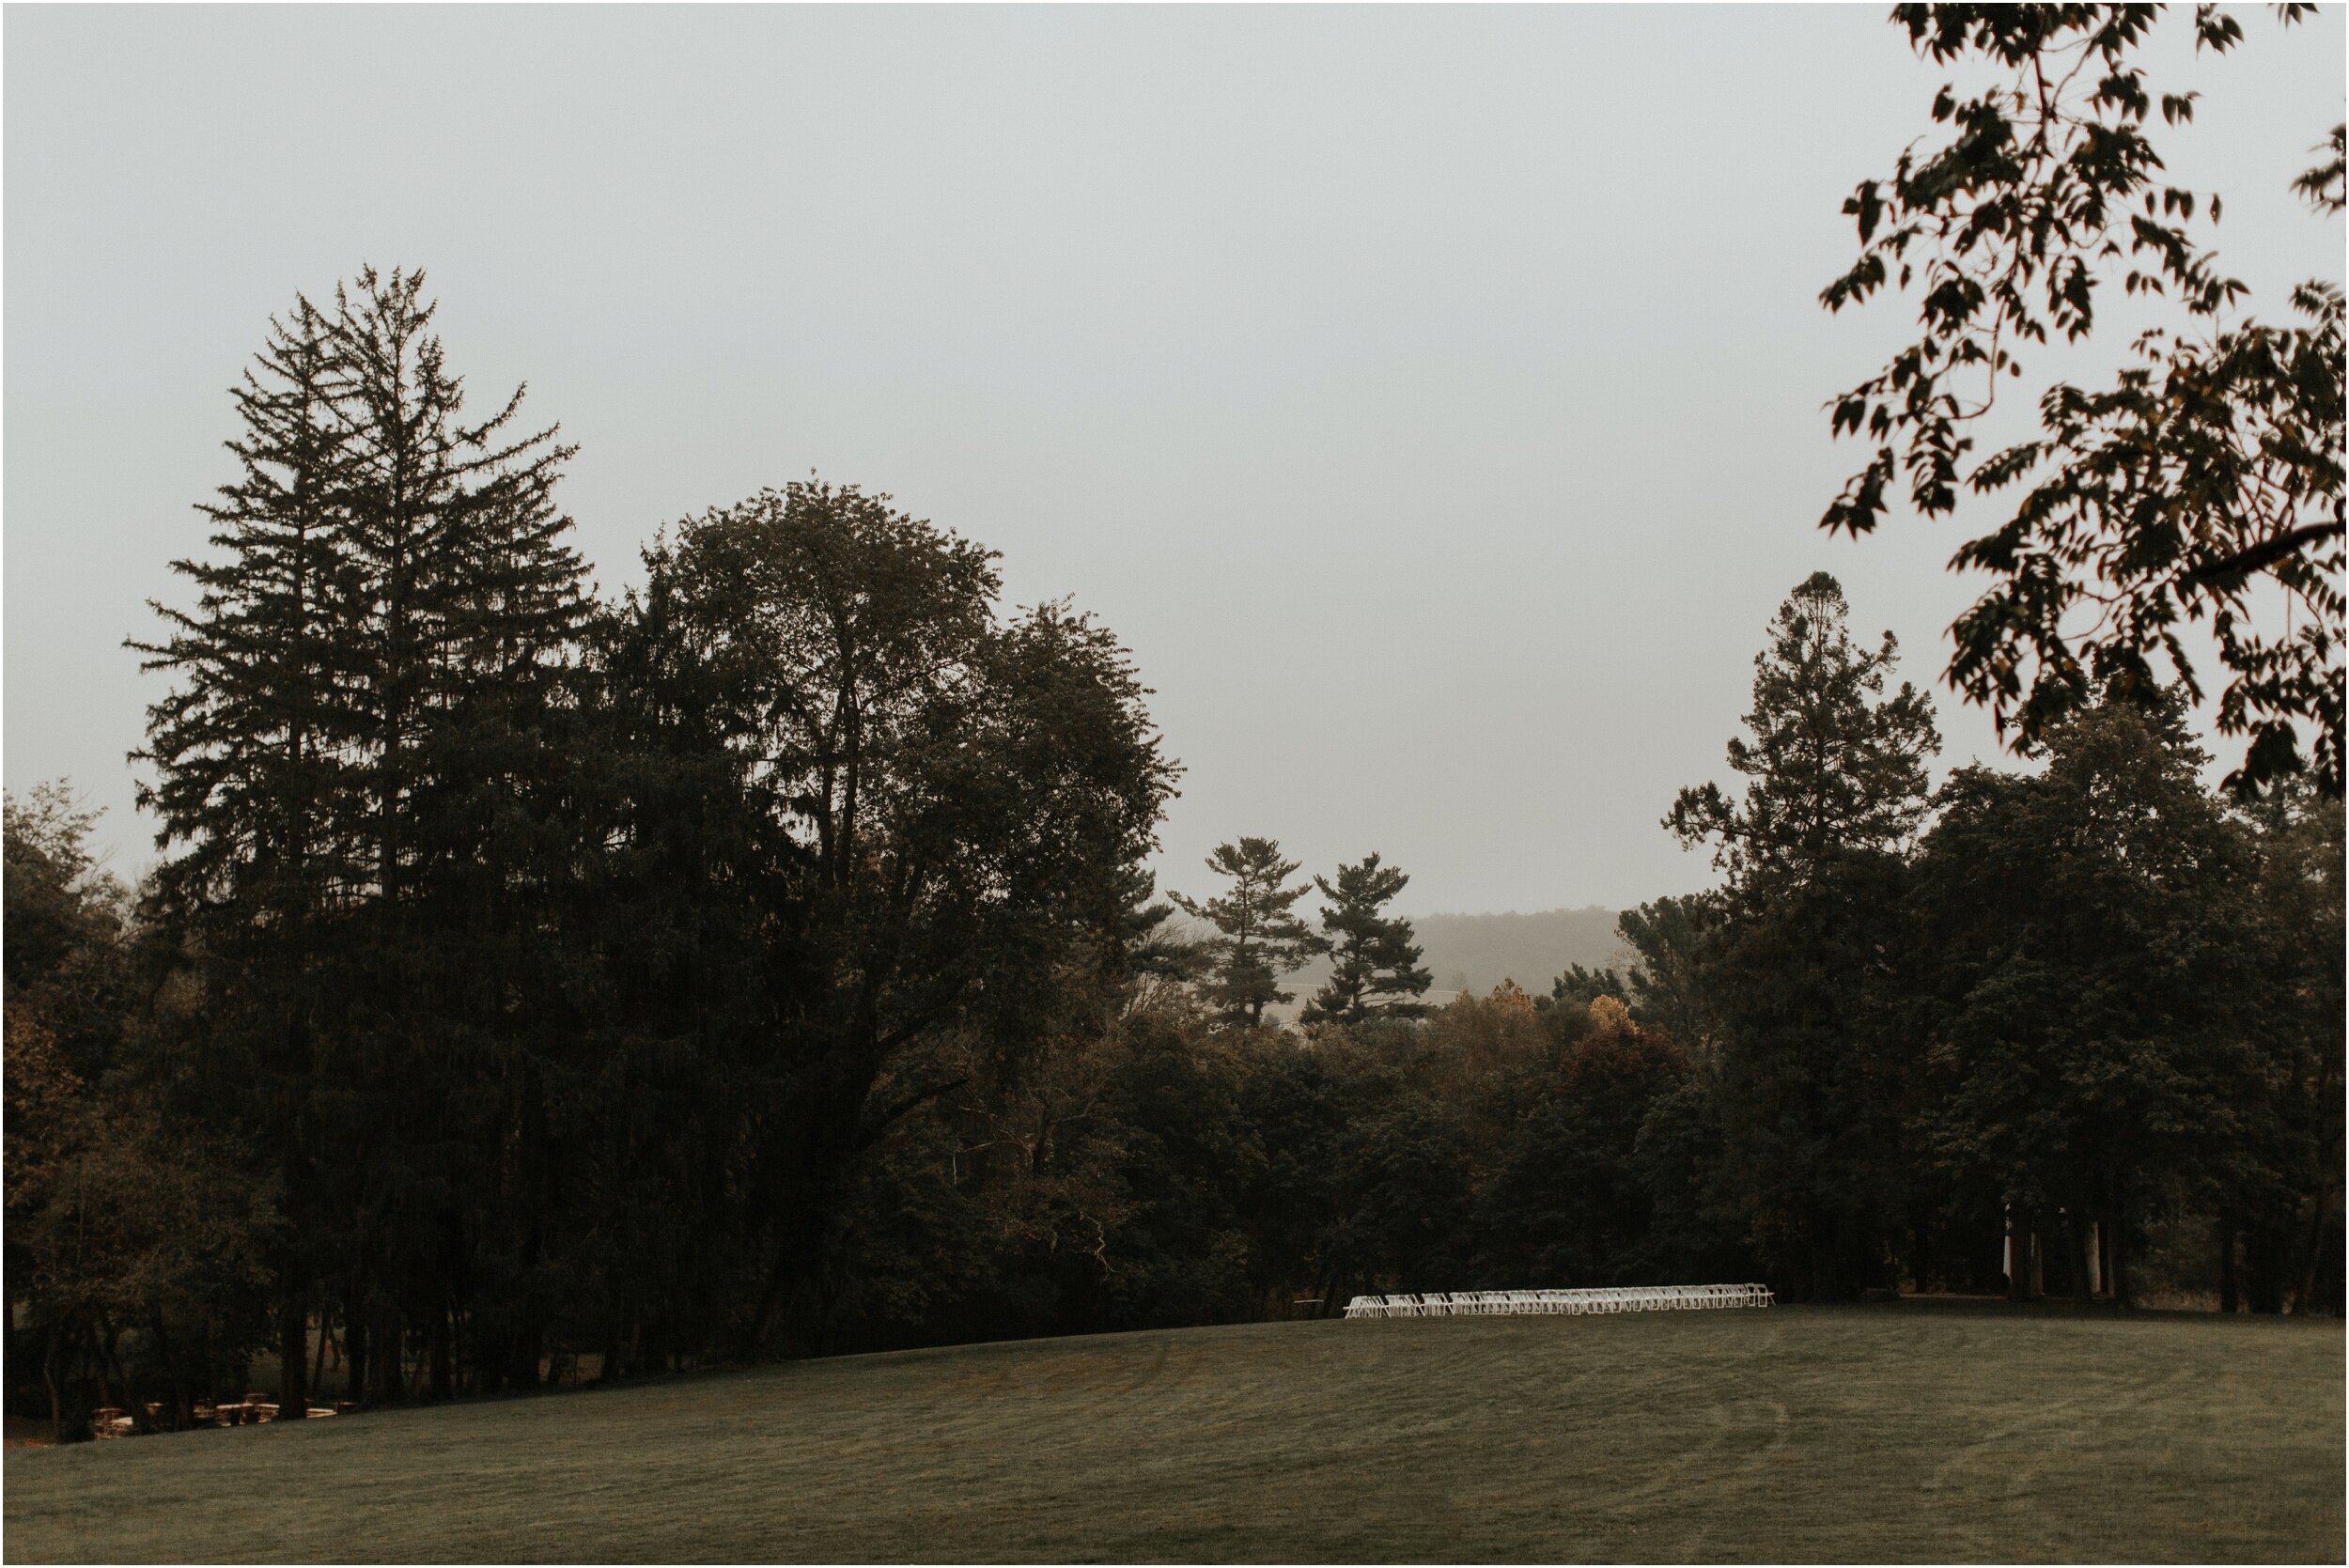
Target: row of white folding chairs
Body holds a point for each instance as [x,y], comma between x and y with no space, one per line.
[1617,1298]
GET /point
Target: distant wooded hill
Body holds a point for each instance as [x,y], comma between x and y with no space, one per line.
[1475,953]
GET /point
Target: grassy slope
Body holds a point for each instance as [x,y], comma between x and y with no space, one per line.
[1794,1433]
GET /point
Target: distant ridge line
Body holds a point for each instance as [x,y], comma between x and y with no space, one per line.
[1476,953]
[1515,914]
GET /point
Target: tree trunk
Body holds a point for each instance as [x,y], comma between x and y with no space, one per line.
[317,1367]
[2265,1246]
[2229,1300]
[797,1255]
[211,1364]
[2304,1297]
[443,1382]
[354,1356]
[114,1388]
[2018,1253]
[652,1345]
[293,1356]
[522,1368]
[68,1424]
[488,1355]
[391,1376]
[1827,1258]
[183,1406]
[2123,1294]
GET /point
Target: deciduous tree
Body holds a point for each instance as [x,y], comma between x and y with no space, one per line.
[949,807]
[2097,1046]
[2204,486]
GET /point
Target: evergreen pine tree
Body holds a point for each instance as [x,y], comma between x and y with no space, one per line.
[1815,1072]
[1838,766]
[1257,939]
[1376,972]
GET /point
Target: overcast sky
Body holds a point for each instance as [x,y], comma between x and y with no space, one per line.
[1429,398]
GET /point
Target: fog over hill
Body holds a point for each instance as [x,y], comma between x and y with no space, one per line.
[1475,953]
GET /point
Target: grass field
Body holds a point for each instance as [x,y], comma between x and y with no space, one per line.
[1864,1434]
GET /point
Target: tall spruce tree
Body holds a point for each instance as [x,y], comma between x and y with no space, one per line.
[1258,939]
[469,607]
[254,783]
[1376,972]
[357,772]
[250,769]
[1838,766]
[1813,1078]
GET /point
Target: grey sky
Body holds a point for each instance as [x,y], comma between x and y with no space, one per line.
[1430,397]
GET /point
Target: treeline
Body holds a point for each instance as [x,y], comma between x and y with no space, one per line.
[2037,1017]
[764,963]
[538,971]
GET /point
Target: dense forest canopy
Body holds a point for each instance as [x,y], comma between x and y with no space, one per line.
[767,962]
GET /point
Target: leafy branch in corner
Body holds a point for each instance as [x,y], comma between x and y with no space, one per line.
[2204,486]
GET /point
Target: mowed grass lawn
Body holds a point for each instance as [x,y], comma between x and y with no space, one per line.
[1872,1433]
